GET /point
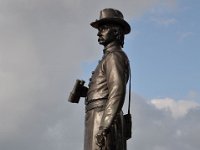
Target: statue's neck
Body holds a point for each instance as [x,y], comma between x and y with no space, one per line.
[111,44]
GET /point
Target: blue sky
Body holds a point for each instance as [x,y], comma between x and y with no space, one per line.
[165,51]
[163,48]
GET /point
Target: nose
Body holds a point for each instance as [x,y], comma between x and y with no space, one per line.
[99,33]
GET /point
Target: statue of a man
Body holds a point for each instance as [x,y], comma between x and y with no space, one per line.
[107,87]
[104,98]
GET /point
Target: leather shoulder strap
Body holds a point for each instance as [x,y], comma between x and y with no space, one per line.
[129,97]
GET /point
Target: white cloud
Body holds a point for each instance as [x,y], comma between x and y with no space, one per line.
[176,108]
[152,126]
[184,36]
[164,21]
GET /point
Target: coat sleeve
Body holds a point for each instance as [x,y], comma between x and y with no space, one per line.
[116,72]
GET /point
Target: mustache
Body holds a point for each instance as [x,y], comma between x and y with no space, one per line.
[100,38]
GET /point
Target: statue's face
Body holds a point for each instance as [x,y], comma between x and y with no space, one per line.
[106,35]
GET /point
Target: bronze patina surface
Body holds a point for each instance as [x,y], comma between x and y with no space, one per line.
[105,95]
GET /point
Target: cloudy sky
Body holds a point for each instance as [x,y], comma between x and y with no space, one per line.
[45,45]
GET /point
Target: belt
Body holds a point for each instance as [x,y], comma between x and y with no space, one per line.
[99,103]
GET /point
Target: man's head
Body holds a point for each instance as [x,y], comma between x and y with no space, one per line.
[111,26]
[110,32]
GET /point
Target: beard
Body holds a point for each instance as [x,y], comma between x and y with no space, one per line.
[104,41]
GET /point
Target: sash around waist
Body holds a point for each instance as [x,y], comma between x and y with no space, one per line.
[98,103]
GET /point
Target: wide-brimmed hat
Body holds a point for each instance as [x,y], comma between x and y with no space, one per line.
[110,15]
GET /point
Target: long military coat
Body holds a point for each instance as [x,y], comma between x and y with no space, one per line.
[107,88]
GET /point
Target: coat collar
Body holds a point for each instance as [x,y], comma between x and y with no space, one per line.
[113,46]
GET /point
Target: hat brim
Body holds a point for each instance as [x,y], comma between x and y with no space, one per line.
[123,23]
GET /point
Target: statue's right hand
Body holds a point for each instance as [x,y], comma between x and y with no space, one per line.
[100,138]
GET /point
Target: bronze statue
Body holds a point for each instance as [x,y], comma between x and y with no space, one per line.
[104,98]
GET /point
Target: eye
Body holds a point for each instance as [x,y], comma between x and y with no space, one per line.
[103,28]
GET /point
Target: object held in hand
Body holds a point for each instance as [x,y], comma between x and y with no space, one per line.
[78,91]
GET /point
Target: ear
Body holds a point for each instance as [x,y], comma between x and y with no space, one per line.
[115,32]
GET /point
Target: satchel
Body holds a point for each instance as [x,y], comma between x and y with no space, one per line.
[127,126]
[127,119]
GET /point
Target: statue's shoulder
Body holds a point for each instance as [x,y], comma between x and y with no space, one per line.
[118,54]
[117,57]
